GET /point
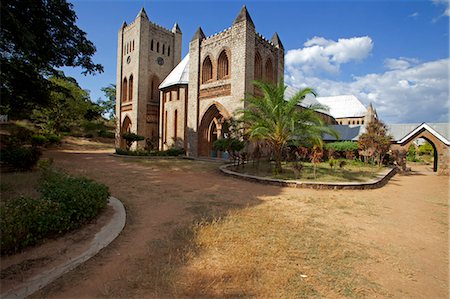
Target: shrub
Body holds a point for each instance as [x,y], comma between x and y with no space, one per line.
[38,140]
[54,139]
[342,146]
[21,158]
[132,137]
[173,151]
[66,203]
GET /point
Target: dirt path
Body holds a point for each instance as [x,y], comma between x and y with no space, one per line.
[408,230]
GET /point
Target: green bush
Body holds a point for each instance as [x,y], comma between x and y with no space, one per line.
[66,203]
[425,149]
[173,151]
[20,158]
[342,146]
[38,140]
[131,137]
[54,139]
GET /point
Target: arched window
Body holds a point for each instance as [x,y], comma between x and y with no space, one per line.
[206,70]
[258,67]
[269,70]
[168,50]
[151,45]
[175,124]
[124,90]
[130,89]
[165,128]
[223,69]
[164,48]
[157,47]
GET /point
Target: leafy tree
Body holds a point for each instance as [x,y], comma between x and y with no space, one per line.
[68,105]
[316,157]
[375,142]
[109,105]
[36,38]
[277,121]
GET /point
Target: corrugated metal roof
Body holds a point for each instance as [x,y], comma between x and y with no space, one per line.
[343,106]
[179,75]
[397,131]
[307,102]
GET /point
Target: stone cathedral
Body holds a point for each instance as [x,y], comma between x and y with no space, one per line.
[184,102]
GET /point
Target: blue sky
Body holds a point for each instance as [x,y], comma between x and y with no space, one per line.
[394,54]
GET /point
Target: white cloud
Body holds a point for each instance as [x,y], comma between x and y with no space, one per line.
[446,3]
[410,92]
[414,15]
[401,63]
[323,55]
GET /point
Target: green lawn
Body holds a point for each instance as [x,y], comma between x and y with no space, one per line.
[353,171]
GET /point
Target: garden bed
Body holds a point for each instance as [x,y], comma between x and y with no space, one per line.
[352,177]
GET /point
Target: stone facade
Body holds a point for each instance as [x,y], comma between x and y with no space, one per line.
[221,72]
[146,54]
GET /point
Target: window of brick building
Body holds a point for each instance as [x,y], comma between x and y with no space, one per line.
[168,50]
[175,124]
[157,47]
[206,70]
[151,45]
[124,90]
[163,48]
[130,89]
[269,70]
[258,67]
[223,69]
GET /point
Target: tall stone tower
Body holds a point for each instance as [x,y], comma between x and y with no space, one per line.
[146,54]
[222,68]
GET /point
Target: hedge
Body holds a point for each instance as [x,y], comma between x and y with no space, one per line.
[342,146]
[65,203]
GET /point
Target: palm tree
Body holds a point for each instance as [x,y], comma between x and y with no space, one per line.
[276,121]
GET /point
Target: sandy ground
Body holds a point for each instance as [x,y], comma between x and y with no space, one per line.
[407,234]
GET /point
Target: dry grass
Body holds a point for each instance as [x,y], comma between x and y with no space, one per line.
[173,164]
[285,247]
[354,172]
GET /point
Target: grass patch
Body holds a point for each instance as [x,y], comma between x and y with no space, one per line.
[174,164]
[351,172]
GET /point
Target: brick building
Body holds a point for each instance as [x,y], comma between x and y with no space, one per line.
[185,102]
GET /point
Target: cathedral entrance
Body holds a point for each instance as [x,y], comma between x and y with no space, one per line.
[211,128]
[126,128]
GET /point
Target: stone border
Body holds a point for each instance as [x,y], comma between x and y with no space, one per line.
[103,238]
[381,180]
[147,157]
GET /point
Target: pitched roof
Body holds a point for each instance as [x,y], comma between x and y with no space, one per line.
[179,75]
[402,132]
[343,106]
[307,102]
[399,132]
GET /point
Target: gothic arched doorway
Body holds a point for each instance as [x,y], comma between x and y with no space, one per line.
[126,128]
[211,128]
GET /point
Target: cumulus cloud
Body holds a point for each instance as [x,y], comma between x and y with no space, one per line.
[408,92]
[323,55]
[446,4]
[401,63]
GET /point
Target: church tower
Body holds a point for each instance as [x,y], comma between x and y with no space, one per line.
[146,54]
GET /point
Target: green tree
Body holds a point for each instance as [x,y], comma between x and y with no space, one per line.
[36,38]
[375,142]
[276,121]
[68,105]
[109,105]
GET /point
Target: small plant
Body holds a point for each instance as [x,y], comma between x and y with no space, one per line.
[38,140]
[316,157]
[54,139]
[297,168]
[332,162]
[342,164]
[131,137]
[21,158]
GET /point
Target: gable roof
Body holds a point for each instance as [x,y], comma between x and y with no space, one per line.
[403,132]
[179,75]
[308,101]
[343,106]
